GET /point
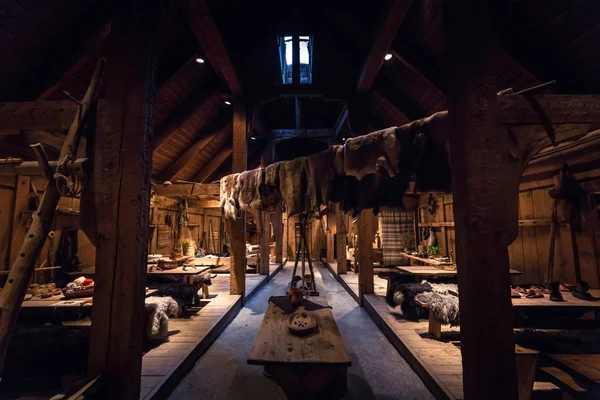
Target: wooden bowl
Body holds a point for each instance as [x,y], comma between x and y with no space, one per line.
[302,322]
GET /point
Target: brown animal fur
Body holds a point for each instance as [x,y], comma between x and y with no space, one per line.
[292,184]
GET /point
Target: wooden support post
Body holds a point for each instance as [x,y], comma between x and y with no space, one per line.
[366,232]
[340,222]
[485,188]
[278,228]
[265,234]
[123,160]
[330,232]
[237,229]
[19,229]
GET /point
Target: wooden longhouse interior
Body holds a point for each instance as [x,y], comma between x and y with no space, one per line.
[248,200]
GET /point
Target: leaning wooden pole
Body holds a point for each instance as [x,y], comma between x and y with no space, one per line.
[14,291]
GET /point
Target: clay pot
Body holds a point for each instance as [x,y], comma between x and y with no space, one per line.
[297,296]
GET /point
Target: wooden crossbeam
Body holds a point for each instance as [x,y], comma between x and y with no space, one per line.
[192,151]
[36,115]
[213,164]
[203,25]
[256,95]
[382,43]
[183,115]
[567,108]
[187,189]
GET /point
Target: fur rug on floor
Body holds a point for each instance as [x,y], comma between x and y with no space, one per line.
[159,309]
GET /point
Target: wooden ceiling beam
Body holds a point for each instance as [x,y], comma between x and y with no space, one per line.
[36,115]
[559,109]
[213,164]
[383,43]
[187,189]
[203,25]
[182,161]
[183,115]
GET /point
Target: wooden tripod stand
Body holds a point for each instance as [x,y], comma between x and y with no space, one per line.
[302,252]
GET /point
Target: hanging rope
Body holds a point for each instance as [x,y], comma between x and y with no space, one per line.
[68,185]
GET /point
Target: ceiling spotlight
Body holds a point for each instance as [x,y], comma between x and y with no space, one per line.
[200,60]
[227,102]
[388,56]
[252,137]
[343,139]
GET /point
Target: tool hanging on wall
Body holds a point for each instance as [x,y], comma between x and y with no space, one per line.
[568,196]
[308,280]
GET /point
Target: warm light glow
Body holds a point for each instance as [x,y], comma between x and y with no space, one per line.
[388,56]
[200,60]
[227,102]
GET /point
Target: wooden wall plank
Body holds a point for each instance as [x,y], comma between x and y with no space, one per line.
[366,232]
[19,228]
[6,217]
[530,251]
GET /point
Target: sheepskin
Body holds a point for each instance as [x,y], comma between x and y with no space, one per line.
[167,304]
[229,191]
[158,310]
[363,155]
[269,189]
[443,306]
[403,295]
[292,184]
[320,174]
[249,196]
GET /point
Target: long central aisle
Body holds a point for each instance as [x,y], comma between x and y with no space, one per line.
[377,372]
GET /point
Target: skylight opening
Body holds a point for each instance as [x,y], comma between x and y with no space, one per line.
[286,52]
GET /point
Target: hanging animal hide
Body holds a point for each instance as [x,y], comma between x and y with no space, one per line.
[364,154]
[292,185]
[229,192]
[320,174]
[249,196]
[269,189]
[571,197]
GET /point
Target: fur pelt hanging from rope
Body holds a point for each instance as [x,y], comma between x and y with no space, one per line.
[229,192]
[369,171]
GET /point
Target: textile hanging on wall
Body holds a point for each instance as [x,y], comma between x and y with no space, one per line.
[396,225]
[164,236]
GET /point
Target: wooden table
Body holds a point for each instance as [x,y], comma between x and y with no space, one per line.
[303,366]
[432,271]
[427,261]
[60,301]
[188,272]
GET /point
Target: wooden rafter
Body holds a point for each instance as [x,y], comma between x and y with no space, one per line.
[187,189]
[192,151]
[382,43]
[36,115]
[203,25]
[183,115]
[213,164]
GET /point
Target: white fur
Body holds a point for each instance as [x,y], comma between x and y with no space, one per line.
[159,309]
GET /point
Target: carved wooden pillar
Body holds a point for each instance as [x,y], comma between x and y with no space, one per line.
[366,232]
[124,164]
[340,221]
[485,188]
[265,235]
[330,233]
[277,223]
[237,229]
